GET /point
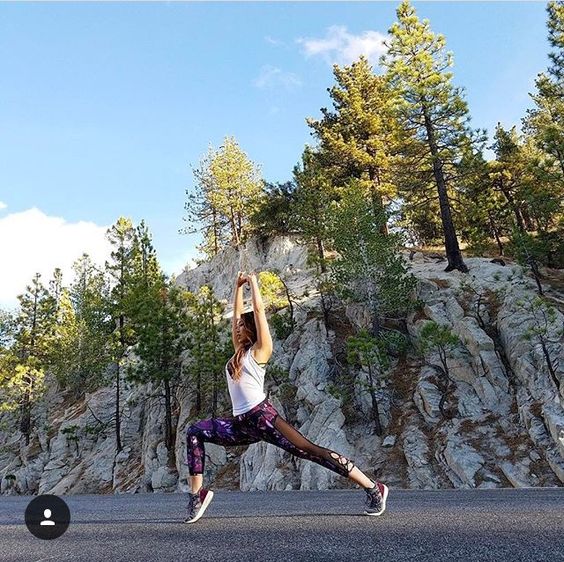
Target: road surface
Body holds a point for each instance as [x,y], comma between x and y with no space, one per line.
[423,525]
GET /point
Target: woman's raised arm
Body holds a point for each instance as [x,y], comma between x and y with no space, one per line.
[263,347]
[237,306]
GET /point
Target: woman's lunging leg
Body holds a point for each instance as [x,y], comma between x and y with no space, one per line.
[221,431]
[289,438]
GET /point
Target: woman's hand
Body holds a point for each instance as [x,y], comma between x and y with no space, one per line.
[241,278]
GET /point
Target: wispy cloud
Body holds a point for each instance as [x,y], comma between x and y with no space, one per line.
[273,41]
[341,47]
[273,77]
[2,205]
[37,242]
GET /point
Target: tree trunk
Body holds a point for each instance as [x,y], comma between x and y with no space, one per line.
[442,401]
[321,254]
[169,440]
[168,414]
[516,211]
[496,234]
[198,392]
[375,411]
[290,304]
[118,424]
[377,202]
[452,249]
[375,325]
[25,419]
[214,394]
[536,274]
[215,233]
[527,219]
[549,364]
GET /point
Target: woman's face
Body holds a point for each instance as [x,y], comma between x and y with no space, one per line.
[241,331]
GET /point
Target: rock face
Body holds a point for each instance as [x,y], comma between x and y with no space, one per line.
[504,423]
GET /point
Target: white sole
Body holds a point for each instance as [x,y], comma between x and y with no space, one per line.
[384,496]
[207,501]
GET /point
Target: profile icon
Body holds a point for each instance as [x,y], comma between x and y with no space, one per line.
[47,521]
[47,517]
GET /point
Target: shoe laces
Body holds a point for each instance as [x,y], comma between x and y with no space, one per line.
[374,494]
[192,503]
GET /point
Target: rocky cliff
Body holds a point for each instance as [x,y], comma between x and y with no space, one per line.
[505,422]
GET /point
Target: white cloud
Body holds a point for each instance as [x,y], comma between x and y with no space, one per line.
[2,205]
[273,41]
[35,242]
[341,47]
[274,77]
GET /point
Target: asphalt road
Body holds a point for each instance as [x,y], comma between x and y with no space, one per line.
[423,525]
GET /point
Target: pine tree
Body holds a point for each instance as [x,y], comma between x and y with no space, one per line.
[209,347]
[314,198]
[370,267]
[508,174]
[437,340]
[357,138]
[275,215]
[80,355]
[487,217]
[202,212]
[431,109]
[239,188]
[545,122]
[370,352]
[31,333]
[161,323]
[121,270]
[229,190]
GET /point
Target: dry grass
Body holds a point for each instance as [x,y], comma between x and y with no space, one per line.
[492,302]
[441,283]
[419,315]
[403,378]
[396,461]
[553,277]
[228,476]
[134,474]
[536,408]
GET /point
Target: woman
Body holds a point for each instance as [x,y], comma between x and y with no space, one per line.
[254,417]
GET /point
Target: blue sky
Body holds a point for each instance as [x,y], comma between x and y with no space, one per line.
[105,106]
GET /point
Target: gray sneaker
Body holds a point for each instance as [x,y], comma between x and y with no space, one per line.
[197,504]
[376,499]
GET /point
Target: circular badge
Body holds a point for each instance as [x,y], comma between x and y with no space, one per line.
[47,517]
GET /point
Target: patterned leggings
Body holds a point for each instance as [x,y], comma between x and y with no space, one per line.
[261,423]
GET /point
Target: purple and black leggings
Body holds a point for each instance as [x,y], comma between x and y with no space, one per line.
[261,423]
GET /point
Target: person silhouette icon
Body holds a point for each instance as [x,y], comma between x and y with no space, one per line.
[47,517]
[47,514]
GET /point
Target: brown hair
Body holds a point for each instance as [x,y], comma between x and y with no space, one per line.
[234,365]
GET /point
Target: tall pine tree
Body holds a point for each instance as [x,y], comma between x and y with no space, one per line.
[431,109]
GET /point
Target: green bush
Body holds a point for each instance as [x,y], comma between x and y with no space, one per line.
[283,324]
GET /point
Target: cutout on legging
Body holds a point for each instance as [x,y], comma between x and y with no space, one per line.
[301,442]
[343,461]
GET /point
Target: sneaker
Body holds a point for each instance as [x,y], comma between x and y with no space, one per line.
[197,504]
[376,499]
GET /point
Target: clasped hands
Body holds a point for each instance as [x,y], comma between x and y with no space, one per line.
[243,278]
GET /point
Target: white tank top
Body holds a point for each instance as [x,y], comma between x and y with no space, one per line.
[248,391]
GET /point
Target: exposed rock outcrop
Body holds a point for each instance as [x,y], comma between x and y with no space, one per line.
[505,423]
